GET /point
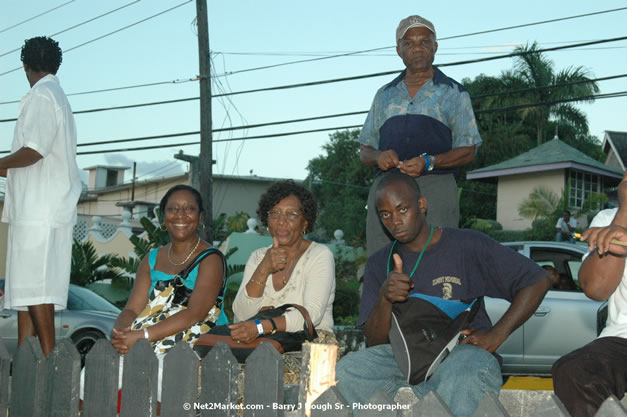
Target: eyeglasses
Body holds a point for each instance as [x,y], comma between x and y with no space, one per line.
[289,215]
[174,210]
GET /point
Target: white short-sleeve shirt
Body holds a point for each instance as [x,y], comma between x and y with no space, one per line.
[617,303]
[46,192]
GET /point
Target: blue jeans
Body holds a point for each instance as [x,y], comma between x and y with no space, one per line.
[462,380]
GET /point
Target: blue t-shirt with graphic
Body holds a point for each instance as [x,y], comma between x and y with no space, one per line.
[462,266]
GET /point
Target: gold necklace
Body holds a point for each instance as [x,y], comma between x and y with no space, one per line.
[188,255]
[287,269]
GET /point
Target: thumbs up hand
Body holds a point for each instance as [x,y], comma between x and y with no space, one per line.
[275,258]
[396,287]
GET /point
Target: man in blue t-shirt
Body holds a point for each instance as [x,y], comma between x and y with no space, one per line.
[449,263]
[422,124]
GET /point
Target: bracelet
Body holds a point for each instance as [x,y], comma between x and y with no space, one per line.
[427,162]
[274,329]
[146,334]
[259,327]
[258,282]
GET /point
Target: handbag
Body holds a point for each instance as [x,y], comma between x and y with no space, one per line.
[170,297]
[424,330]
[282,341]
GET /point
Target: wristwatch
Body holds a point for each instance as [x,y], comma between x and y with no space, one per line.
[274,329]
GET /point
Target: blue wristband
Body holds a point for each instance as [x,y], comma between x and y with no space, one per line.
[259,327]
[427,162]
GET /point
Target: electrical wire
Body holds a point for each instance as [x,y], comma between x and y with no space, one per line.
[35,17]
[111,33]
[79,24]
[440,39]
[274,135]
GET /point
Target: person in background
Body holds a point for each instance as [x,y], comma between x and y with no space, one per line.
[42,190]
[565,226]
[422,124]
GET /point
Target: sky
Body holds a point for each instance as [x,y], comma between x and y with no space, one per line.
[245,37]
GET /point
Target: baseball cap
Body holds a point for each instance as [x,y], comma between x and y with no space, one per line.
[414,21]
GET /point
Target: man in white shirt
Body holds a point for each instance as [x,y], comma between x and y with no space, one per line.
[583,379]
[565,228]
[43,187]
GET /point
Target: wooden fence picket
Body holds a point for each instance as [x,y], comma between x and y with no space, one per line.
[180,382]
[139,381]
[28,380]
[63,374]
[50,387]
[372,409]
[220,375]
[489,406]
[432,405]
[5,367]
[263,383]
[102,370]
[331,403]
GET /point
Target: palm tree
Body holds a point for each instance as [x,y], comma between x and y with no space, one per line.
[88,267]
[534,70]
[541,204]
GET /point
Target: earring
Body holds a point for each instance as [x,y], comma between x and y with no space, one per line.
[162,227]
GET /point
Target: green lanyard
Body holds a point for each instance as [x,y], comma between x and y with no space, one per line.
[419,257]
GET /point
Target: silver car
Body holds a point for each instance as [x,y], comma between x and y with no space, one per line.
[88,317]
[565,320]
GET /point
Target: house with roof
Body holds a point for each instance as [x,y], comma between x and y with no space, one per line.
[554,165]
[615,147]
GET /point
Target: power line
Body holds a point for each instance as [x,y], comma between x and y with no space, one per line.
[113,32]
[509,108]
[128,87]
[322,117]
[35,17]
[298,85]
[441,39]
[274,135]
[77,25]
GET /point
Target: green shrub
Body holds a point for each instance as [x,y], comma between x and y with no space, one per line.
[346,303]
[485,225]
[541,229]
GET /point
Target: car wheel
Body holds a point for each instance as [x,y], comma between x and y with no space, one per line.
[84,340]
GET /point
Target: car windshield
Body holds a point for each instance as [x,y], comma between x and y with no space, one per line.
[83,299]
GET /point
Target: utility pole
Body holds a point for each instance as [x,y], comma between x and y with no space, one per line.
[206,158]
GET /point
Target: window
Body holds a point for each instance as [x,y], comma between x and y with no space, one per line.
[112,177]
[582,184]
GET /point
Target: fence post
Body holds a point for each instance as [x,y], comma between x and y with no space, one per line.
[179,389]
[331,404]
[432,405]
[611,407]
[63,369]
[5,366]
[550,406]
[102,373]
[27,383]
[139,381]
[263,383]
[221,398]
[489,406]
[407,399]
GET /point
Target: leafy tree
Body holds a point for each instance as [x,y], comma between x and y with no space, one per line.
[535,71]
[340,183]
